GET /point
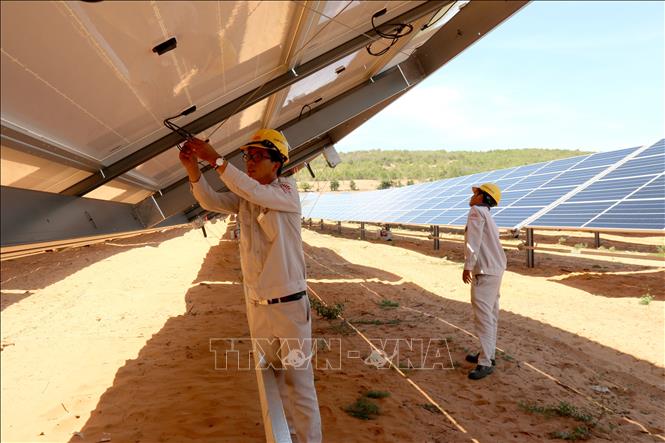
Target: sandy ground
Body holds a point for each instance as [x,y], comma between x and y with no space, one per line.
[113,341]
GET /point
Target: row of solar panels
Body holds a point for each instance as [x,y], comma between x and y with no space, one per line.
[622,189]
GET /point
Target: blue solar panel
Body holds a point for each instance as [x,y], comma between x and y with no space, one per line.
[656,148]
[630,196]
[597,190]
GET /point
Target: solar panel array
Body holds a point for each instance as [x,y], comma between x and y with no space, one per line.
[599,190]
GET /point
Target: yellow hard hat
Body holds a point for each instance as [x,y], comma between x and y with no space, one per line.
[269,139]
[492,190]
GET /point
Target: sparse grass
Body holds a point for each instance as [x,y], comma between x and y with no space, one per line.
[661,250]
[431,408]
[579,433]
[327,312]
[612,248]
[377,394]
[562,240]
[505,356]
[388,304]
[363,409]
[646,299]
[563,409]
[579,246]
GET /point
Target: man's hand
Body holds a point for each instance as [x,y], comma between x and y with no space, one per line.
[467,276]
[202,150]
[190,162]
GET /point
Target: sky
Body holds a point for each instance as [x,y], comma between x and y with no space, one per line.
[568,75]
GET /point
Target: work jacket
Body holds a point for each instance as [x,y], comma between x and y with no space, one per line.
[269,216]
[483,253]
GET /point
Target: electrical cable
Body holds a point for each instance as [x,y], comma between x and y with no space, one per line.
[401,30]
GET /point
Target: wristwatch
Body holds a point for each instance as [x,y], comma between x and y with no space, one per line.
[218,162]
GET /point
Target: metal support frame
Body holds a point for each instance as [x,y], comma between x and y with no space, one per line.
[435,235]
[596,239]
[246,100]
[362,230]
[321,225]
[530,259]
[34,216]
[339,227]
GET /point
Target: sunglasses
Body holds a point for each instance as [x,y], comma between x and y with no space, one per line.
[266,144]
[256,157]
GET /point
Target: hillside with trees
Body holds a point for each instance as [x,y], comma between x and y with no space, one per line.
[405,167]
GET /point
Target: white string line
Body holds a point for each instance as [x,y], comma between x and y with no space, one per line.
[526,363]
[395,367]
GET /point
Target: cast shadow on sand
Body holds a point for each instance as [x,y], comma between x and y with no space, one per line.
[172,392]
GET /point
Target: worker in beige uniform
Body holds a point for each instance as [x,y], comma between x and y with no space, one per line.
[272,262]
[484,264]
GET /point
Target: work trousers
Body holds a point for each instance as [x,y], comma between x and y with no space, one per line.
[485,301]
[283,332]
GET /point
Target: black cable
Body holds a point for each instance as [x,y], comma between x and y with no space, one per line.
[402,29]
[309,107]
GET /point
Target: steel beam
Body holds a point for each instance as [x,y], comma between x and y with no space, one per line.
[34,216]
[244,101]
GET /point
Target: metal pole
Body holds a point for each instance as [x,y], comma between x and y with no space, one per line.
[322,224]
[310,223]
[435,234]
[529,248]
[339,227]
[596,236]
[362,230]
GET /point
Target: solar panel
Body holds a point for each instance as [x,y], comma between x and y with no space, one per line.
[583,191]
[633,185]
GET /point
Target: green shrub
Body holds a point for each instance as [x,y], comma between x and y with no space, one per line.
[363,409]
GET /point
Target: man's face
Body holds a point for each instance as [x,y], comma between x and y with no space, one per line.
[259,166]
[476,198]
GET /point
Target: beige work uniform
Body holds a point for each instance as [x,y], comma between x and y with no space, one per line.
[484,256]
[273,266]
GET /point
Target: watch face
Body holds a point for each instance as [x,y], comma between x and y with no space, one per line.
[219,161]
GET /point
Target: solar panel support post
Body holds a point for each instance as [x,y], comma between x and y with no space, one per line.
[362,230]
[339,227]
[321,226]
[530,262]
[435,235]
[596,239]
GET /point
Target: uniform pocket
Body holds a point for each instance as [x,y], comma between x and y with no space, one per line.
[268,222]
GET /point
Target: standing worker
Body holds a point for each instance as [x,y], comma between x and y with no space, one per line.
[484,263]
[272,261]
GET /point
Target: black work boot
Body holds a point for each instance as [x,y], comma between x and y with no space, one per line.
[480,372]
[473,358]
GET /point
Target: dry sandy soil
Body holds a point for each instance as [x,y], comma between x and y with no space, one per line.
[111,342]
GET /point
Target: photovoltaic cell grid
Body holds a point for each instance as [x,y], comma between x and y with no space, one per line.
[630,196]
[598,190]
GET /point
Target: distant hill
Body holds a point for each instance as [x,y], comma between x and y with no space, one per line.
[419,166]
